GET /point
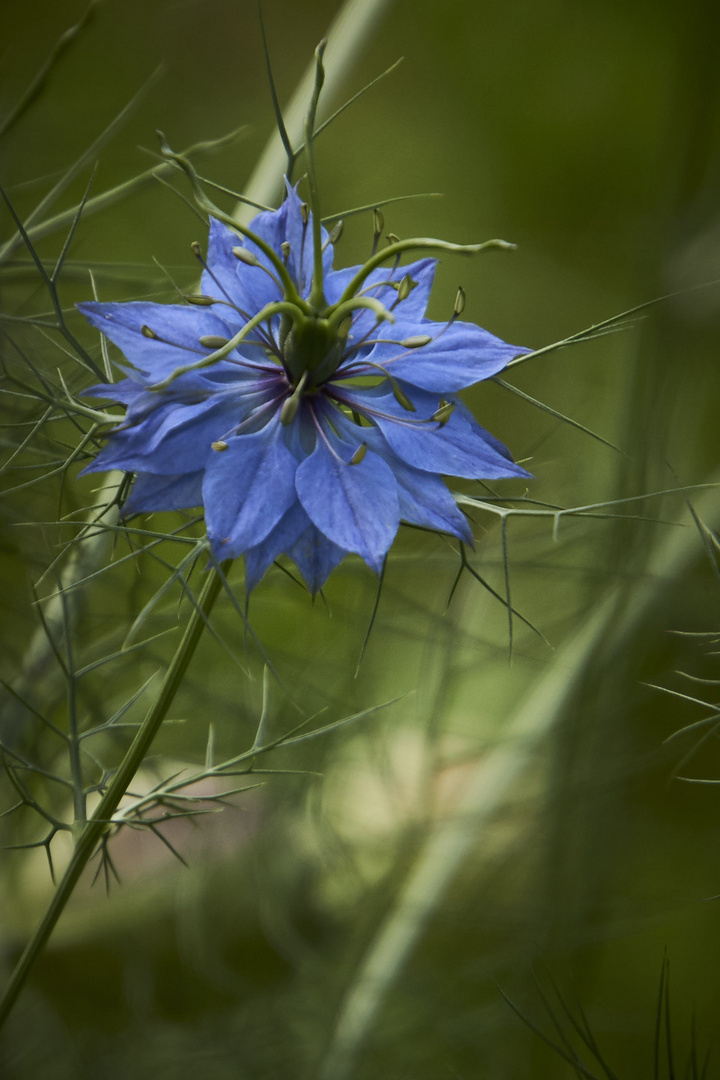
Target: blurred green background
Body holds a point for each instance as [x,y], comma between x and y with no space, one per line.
[587,133]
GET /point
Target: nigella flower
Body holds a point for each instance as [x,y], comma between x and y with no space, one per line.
[308,410]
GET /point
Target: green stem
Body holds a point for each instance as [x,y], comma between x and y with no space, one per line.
[417,243]
[98,824]
[317,295]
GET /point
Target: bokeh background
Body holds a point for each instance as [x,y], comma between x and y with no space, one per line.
[588,134]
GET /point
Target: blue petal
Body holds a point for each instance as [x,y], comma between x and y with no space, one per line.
[459,355]
[315,557]
[355,506]
[291,525]
[410,310]
[285,226]
[180,328]
[126,391]
[173,439]
[424,499]
[247,489]
[151,493]
[460,447]
[225,277]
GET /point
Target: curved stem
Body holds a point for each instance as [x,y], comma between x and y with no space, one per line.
[418,243]
[99,823]
[279,308]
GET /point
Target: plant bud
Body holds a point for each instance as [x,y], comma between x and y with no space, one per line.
[245,256]
[213,341]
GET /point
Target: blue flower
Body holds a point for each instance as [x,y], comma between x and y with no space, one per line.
[308,410]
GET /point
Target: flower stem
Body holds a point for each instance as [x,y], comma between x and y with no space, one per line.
[317,294]
[100,821]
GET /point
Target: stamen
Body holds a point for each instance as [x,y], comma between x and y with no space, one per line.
[444,412]
[245,256]
[334,234]
[290,406]
[200,299]
[378,226]
[359,454]
[416,342]
[213,341]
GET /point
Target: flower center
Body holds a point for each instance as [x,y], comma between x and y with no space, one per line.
[312,347]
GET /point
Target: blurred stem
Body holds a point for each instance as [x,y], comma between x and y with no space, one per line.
[101,821]
[447,848]
[346,40]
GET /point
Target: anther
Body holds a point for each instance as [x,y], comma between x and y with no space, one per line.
[405,287]
[336,232]
[196,249]
[245,256]
[444,412]
[285,249]
[392,238]
[200,299]
[213,341]
[359,454]
[459,302]
[378,222]
[416,341]
[148,333]
[304,213]
[290,405]
[400,395]
[220,445]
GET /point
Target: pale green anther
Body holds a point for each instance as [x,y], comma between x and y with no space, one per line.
[245,256]
[400,395]
[219,445]
[445,411]
[200,300]
[336,232]
[393,238]
[405,287]
[289,409]
[359,454]
[290,405]
[213,341]
[304,213]
[196,249]
[416,341]
[459,301]
[148,333]
[378,222]
[285,249]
